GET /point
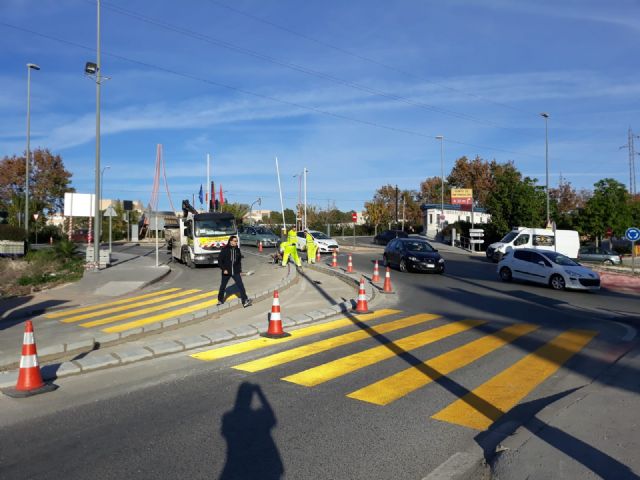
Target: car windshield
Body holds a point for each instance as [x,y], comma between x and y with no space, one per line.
[418,247]
[508,237]
[215,227]
[320,235]
[264,231]
[560,259]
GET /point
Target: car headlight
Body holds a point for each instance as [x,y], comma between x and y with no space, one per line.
[413,259]
[573,273]
[441,260]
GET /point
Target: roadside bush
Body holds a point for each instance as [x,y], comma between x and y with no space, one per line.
[10,232]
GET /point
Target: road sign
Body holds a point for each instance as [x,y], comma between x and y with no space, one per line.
[354,216]
[633,234]
[110,212]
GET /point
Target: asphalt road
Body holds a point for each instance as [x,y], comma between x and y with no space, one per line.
[182,417]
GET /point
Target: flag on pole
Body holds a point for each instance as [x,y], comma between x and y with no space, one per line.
[221,196]
[212,205]
[200,195]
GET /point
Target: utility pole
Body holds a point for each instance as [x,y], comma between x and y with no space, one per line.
[632,161]
[396,206]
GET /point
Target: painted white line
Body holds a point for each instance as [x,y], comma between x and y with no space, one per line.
[631,332]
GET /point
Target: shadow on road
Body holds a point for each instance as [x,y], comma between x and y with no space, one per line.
[251,451]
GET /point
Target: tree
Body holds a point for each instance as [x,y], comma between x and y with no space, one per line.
[565,203]
[514,201]
[609,207]
[48,182]
[430,190]
[476,175]
[376,213]
[238,210]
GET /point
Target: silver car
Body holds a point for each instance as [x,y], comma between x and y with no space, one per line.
[598,255]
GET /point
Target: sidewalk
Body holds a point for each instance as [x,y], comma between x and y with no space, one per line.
[314,293]
[595,435]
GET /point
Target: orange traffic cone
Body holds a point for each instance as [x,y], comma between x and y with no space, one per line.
[318,256]
[362,306]
[29,378]
[259,246]
[387,282]
[334,261]
[376,273]
[275,321]
[349,265]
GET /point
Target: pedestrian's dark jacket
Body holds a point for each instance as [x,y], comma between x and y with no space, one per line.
[229,260]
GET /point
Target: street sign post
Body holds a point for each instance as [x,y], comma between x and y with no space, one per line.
[354,218]
[633,234]
[110,212]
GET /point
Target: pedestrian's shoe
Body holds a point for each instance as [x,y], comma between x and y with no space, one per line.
[220,303]
[247,303]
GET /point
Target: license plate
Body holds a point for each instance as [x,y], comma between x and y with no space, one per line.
[430,265]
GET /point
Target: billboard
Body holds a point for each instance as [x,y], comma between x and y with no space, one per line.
[79,204]
[461,196]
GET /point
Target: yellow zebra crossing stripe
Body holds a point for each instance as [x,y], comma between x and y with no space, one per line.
[163,316]
[402,383]
[73,311]
[351,363]
[324,345]
[258,343]
[121,308]
[144,311]
[481,407]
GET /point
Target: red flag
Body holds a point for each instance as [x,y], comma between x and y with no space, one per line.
[221,195]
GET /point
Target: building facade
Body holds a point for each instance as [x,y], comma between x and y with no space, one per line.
[451,213]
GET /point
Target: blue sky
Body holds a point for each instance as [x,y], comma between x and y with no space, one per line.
[354,91]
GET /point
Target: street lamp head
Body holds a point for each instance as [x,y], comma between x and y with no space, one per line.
[90,68]
[439,137]
[545,115]
[33,66]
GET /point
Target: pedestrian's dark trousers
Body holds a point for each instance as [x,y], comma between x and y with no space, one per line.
[223,285]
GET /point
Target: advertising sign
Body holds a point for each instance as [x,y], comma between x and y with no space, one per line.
[79,204]
[461,196]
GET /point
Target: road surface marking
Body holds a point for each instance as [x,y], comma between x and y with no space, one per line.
[122,308]
[257,343]
[72,311]
[351,363]
[487,403]
[334,342]
[402,383]
[164,316]
[144,311]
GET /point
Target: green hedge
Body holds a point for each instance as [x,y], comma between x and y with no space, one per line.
[10,232]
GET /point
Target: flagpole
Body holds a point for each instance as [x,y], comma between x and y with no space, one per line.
[284,224]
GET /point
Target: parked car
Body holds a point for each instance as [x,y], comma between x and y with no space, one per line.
[413,254]
[599,255]
[546,267]
[80,236]
[385,237]
[255,235]
[325,243]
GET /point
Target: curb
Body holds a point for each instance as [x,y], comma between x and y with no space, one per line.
[158,348]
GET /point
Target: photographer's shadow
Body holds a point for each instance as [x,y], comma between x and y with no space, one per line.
[251,452]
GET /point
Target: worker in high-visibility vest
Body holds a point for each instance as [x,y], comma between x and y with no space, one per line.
[289,250]
[292,239]
[312,248]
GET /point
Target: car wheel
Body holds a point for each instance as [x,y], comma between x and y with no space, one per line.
[557,282]
[505,274]
[403,265]
[608,262]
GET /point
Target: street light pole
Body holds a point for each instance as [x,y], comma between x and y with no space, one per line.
[259,202]
[546,159]
[441,221]
[305,171]
[96,210]
[30,66]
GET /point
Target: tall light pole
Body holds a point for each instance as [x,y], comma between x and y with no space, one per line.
[259,202]
[305,171]
[30,66]
[94,69]
[546,159]
[441,138]
[100,200]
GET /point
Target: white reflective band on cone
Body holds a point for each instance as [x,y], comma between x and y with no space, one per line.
[28,361]
[28,338]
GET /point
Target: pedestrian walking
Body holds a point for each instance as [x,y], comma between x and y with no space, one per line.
[230,264]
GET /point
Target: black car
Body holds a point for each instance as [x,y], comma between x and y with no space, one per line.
[385,237]
[413,254]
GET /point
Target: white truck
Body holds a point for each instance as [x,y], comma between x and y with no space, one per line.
[199,236]
[566,242]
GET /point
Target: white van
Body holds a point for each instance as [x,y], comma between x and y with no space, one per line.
[566,242]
